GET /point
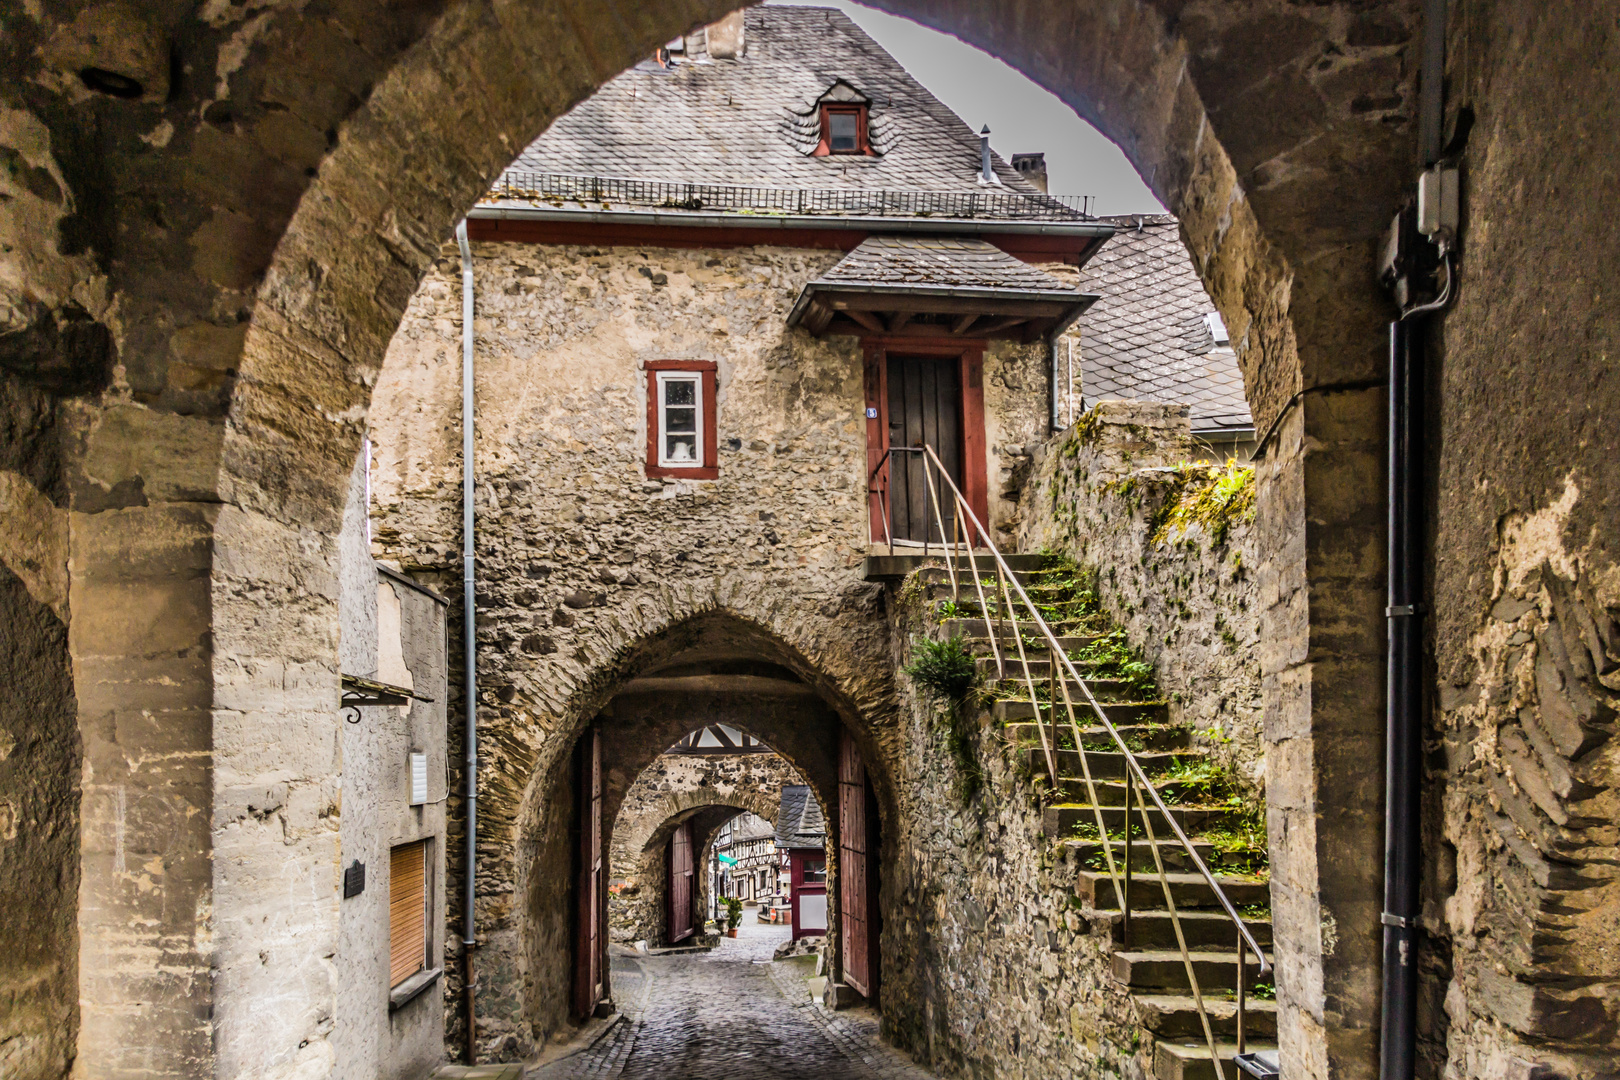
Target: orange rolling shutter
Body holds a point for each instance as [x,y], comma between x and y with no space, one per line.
[407,912]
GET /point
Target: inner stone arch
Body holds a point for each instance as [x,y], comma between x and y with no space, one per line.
[714,668]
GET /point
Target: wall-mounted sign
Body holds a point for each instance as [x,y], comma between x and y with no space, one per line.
[354,880]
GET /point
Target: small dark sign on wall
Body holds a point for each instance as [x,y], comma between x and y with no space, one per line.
[354,880]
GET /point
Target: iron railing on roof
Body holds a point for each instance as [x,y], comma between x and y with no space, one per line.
[597,192]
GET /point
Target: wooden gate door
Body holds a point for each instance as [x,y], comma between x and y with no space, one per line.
[857,854]
[678,891]
[925,407]
[588,941]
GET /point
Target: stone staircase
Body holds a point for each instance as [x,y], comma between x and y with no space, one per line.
[1220,824]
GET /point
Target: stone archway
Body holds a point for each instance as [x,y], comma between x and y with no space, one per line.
[207,488]
[810,667]
[642,867]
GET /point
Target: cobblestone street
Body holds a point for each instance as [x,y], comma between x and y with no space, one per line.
[730,1012]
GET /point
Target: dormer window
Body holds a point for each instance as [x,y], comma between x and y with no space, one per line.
[843,130]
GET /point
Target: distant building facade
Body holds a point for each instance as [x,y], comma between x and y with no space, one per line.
[801,845]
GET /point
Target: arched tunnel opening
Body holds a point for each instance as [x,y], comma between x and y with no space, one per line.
[718,728]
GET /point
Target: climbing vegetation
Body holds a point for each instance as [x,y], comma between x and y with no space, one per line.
[945,667]
[1210,496]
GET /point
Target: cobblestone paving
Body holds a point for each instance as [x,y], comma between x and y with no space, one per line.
[699,1016]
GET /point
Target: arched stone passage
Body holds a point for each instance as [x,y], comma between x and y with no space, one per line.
[717,665]
[1302,311]
[671,790]
[1278,134]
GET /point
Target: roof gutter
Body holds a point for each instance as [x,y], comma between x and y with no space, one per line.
[870,224]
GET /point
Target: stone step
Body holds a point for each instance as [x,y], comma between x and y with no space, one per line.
[881,566]
[1112,792]
[933,576]
[1119,713]
[1058,821]
[1183,1061]
[1096,890]
[1105,690]
[1104,764]
[1204,928]
[1018,726]
[1174,855]
[1171,1016]
[1164,969]
[976,635]
[1040,666]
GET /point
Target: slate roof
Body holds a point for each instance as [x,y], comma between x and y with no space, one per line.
[799,823]
[747,826]
[754,120]
[945,261]
[1146,337]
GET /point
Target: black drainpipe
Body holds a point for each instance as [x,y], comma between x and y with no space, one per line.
[1404,737]
[1404,680]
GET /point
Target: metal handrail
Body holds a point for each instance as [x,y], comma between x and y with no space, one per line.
[1135,775]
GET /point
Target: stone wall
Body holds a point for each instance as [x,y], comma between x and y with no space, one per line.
[1521,902]
[987,969]
[673,789]
[1173,550]
[587,569]
[39,813]
[391,633]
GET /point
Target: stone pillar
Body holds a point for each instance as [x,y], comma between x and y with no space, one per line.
[142,650]
[204,646]
[1320,525]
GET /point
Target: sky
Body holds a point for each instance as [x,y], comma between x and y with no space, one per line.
[1023,117]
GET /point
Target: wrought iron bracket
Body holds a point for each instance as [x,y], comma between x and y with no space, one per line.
[360,693]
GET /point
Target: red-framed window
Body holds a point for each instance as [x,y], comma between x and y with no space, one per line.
[681,438]
[843,130]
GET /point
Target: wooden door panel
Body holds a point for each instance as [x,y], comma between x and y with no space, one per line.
[853,862]
[590,914]
[678,889]
[925,408]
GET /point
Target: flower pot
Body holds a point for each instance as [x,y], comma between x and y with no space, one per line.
[732,932]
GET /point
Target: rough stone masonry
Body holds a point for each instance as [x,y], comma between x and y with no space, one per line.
[240,242]
[676,788]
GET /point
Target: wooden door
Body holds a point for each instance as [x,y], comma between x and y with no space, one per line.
[925,407]
[588,958]
[678,892]
[857,859]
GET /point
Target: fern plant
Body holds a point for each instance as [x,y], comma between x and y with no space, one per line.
[945,667]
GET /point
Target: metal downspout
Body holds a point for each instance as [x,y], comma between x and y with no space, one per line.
[469,636]
[1404,676]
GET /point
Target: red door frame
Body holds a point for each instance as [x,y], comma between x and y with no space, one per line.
[975,467]
[591,897]
[796,861]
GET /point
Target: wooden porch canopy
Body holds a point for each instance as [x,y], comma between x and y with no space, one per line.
[934,286]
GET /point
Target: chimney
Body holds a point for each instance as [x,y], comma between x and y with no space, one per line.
[987,175]
[1032,167]
[725,38]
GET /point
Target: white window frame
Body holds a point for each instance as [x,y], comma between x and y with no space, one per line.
[696,379]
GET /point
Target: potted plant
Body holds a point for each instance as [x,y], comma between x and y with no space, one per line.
[734,908]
